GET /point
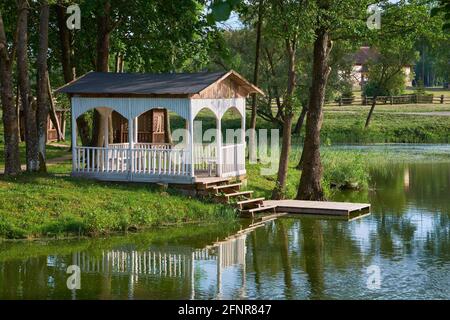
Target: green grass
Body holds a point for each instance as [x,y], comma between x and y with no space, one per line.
[34,205]
[385,127]
[398,108]
[52,152]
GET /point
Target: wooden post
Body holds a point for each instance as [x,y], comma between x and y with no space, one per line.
[130,147]
[340,101]
[136,128]
[74,137]
[242,137]
[442,98]
[392,100]
[190,124]
[219,146]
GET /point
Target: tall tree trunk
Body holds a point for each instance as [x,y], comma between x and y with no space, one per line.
[279,191]
[103,31]
[301,120]
[42,85]
[29,106]
[372,108]
[103,19]
[252,153]
[9,112]
[52,112]
[297,130]
[65,40]
[300,162]
[310,187]
[69,73]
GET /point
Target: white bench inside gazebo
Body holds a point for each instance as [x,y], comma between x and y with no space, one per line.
[186,94]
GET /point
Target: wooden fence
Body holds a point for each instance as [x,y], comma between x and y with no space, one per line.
[403,99]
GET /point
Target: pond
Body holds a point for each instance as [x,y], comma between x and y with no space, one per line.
[400,251]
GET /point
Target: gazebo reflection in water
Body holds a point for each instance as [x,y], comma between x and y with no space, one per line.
[191,265]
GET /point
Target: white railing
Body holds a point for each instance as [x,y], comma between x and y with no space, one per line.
[96,160]
[205,158]
[160,161]
[233,158]
[142,161]
[118,146]
[167,160]
[141,145]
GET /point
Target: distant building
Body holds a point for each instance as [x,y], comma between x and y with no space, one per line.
[360,70]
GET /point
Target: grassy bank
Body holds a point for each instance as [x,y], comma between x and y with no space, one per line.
[348,127]
[390,124]
[340,168]
[57,205]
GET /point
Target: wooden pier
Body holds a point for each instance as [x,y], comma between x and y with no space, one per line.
[342,209]
[226,190]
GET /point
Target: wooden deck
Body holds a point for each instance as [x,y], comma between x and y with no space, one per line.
[343,209]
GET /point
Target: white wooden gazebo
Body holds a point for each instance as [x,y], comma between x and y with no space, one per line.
[131,95]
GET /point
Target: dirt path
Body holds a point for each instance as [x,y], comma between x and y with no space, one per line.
[50,162]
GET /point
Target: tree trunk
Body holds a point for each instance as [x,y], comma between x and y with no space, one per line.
[297,130]
[301,120]
[300,162]
[52,111]
[103,30]
[372,108]
[279,191]
[65,39]
[310,187]
[9,112]
[42,85]
[69,73]
[29,106]
[102,65]
[252,152]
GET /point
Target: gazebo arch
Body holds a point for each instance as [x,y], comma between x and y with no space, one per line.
[131,95]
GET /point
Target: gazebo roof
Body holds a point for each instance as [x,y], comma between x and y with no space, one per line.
[145,84]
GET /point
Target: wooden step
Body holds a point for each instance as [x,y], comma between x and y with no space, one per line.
[244,204]
[259,209]
[238,194]
[209,182]
[226,186]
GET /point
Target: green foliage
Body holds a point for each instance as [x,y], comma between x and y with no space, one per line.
[376,86]
[443,8]
[420,89]
[345,169]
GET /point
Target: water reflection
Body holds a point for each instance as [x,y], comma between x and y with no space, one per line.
[407,236]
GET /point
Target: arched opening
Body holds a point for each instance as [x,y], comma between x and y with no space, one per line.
[206,143]
[118,128]
[85,126]
[233,147]
[231,124]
